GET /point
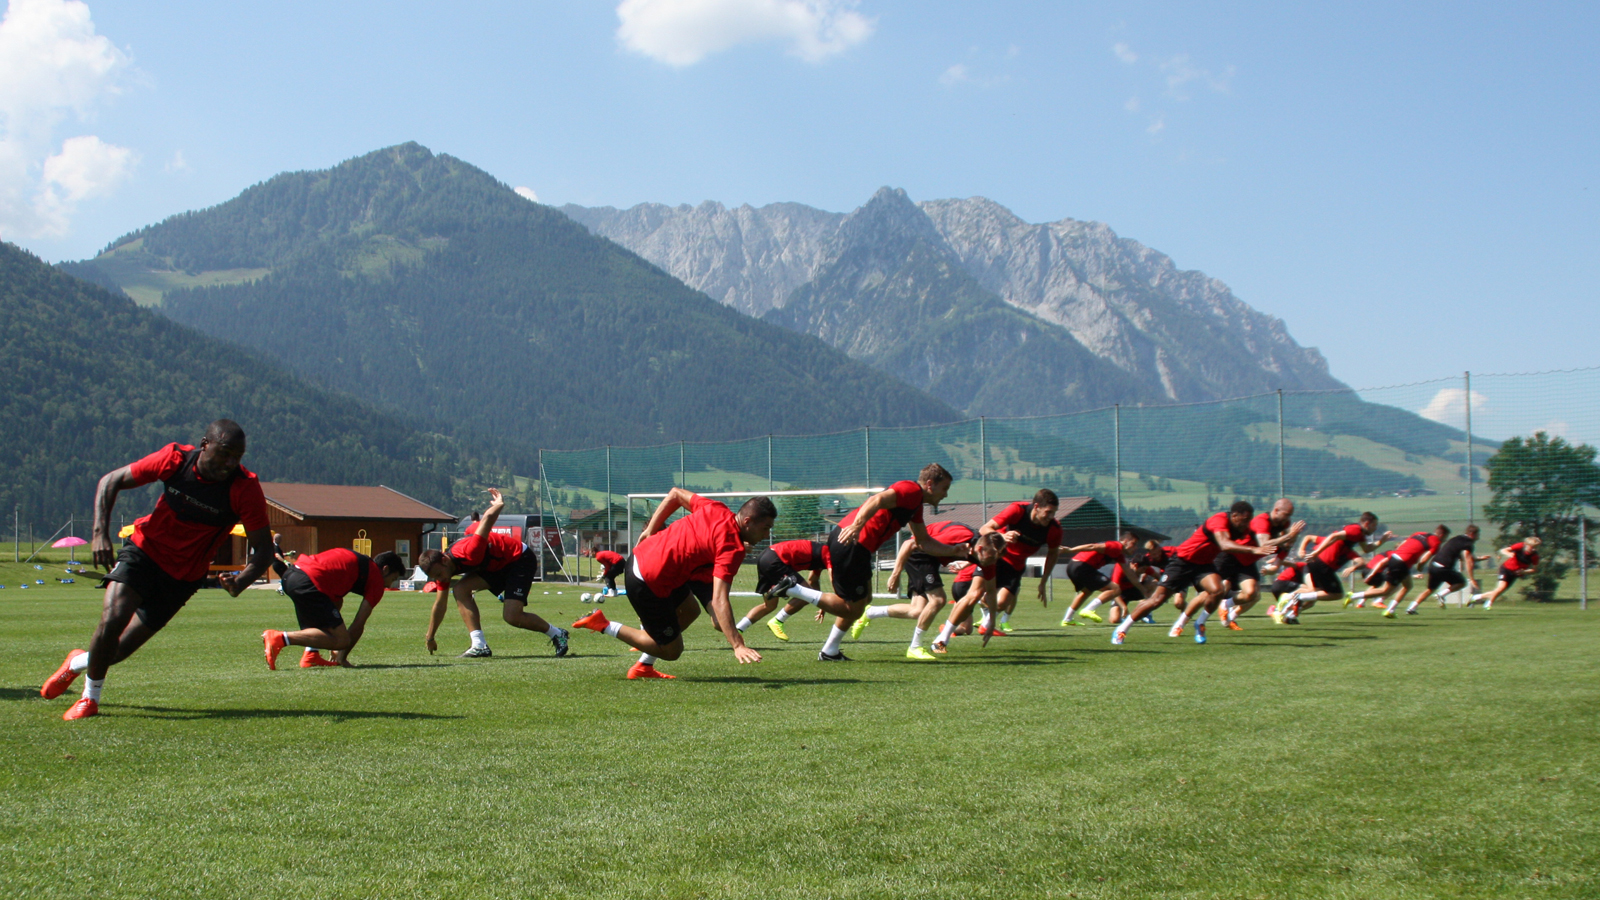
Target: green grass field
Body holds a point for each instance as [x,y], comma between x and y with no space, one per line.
[1452,754]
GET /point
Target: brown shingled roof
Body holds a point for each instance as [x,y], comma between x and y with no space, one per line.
[340,501]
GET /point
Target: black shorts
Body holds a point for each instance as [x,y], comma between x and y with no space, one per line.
[1392,573]
[658,616]
[1283,586]
[1438,575]
[312,608]
[1508,577]
[1130,594]
[1007,578]
[1324,578]
[160,595]
[922,575]
[770,570]
[609,576]
[513,581]
[851,570]
[1234,572]
[959,589]
[1086,577]
[1180,574]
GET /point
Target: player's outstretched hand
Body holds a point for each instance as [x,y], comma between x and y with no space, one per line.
[847,535]
[494,496]
[821,614]
[1044,597]
[746,655]
[432,645]
[893,584]
[1013,536]
[230,583]
[346,663]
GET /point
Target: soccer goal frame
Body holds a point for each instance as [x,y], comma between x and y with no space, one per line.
[718,495]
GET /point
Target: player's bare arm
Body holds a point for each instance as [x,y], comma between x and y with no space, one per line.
[105,497]
[930,545]
[259,559]
[722,614]
[906,548]
[884,499]
[676,499]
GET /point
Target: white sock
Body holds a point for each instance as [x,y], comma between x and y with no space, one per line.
[1442,592]
[80,663]
[1005,618]
[835,637]
[612,628]
[1227,603]
[945,632]
[553,630]
[916,638]
[92,687]
[1070,614]
[286,641]
[1304,598]
[744,623]
[877,612]
[1412,605]
[1359,595]
[1125,624]
[1092,605]
[985,621]
[808,594]
[1178,623]
[1201,616]
[1477,597]
[478,643]
[782,616]
[646,659]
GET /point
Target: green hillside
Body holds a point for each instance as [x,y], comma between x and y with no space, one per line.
[89,381]
[422,283]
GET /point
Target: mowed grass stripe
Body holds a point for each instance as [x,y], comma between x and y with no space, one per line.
[1449,754]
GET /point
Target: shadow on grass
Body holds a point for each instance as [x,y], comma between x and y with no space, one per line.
[436,665]
[341,715]
[772,683]
[16,693]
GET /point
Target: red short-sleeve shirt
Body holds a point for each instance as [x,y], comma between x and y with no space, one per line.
[709,535]
[491,553]
[184,549]
[884,523]
[801,556]
[608,558]
[1201,547]
[1018,517]
[1342,550]
[1096,558]
[1521,558]
[334,573]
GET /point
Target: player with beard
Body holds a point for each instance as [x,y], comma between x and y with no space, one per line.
[924,586]
[1194,565]
[1391,574]
[1330,555]
[205,492]
[317,584]
[1239,571]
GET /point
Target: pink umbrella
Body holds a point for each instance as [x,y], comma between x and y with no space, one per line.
[72,541]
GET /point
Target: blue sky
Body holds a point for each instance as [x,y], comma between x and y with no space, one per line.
[1412,187]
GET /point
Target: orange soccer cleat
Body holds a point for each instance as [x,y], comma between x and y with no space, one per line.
[641,670]
[57,684]
[595,621]
[311,659]
[273,643]
[1234,626]
[83,709]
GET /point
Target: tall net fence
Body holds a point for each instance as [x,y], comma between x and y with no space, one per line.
[1418,455]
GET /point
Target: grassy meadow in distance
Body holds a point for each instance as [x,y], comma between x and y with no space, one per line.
[1451,754]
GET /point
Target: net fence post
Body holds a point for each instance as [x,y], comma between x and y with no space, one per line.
[769,461]
[1583,560]
[866,435]
[611,524]
[983,464]
[683,473]
[1282,490]
[538,507]
[1467,400]
[1116,454]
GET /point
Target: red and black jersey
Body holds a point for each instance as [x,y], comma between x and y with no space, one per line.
[1018,517]
[608,558]
[1415,546]
[339,571]
[193,516]
[957,533]
[475,553]
[1342,550]
[1292,571]
[1112,551]
[1521,558]
[1139,569]
[802,556]
[1261,526]
[1202,548]
[707,537]
[907,508]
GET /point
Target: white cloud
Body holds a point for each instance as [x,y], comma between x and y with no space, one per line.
[53,66]
[1449,406]
[683,32]
[1557,428]
[1132,105]
[1157,125]
[526,193]
[1180,72]
[1124,53]
[178,162]
[954,75]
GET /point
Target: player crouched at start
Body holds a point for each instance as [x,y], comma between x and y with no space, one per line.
[318,583]
[664,577]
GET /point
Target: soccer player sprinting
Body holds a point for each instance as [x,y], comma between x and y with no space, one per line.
[778,568]
[497,563]
[1241,572]
[1026,527]
[1193,564]
[1453,567]
[1519,559]
[1391,575]
[611,565]
[205,492]
[317,584]
[1083,570]
[661,576]
[924,586]
[1328,557]
[853,543]
[1145,571]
